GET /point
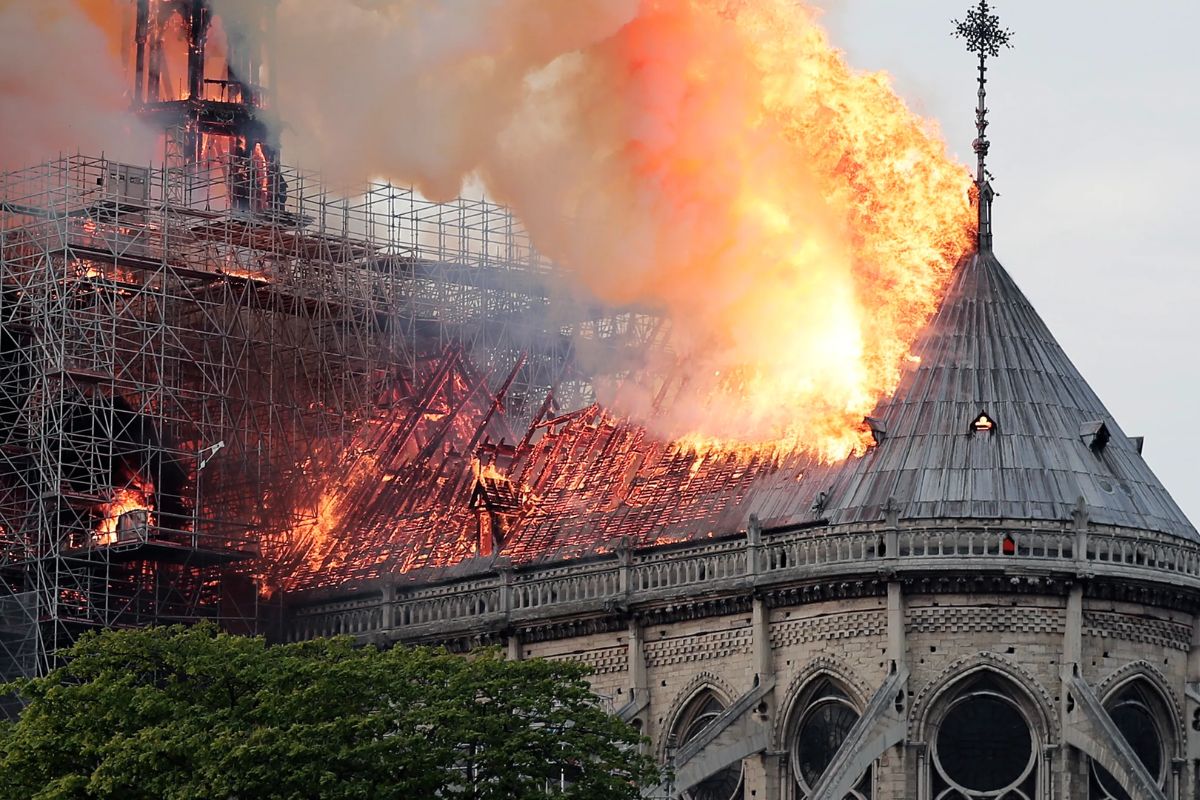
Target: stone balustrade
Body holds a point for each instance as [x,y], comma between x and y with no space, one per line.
[735,565]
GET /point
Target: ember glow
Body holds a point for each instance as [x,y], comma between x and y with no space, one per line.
[404,468]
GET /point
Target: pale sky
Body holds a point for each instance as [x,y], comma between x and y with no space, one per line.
[1095,124]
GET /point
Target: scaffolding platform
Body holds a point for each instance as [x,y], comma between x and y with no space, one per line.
[159,551]
[168,347]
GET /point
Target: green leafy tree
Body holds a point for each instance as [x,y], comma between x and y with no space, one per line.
[192,714]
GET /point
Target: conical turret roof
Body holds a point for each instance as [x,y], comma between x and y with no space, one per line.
[1052,441]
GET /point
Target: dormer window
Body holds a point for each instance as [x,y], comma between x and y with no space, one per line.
[983,423]
[1095,434]
[878,430]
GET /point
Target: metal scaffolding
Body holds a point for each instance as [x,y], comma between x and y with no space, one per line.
[180,345]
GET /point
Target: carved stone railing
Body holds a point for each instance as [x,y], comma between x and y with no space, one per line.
[736,565]
[359,614]
[716,563]
[473,599]
[564,585]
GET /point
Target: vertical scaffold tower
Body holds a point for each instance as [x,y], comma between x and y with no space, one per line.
[184,348]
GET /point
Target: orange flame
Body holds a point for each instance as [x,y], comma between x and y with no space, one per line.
[481,470]
[318,532]
[798,223]
[137,496]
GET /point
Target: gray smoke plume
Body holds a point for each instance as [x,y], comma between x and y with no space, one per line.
[62,83]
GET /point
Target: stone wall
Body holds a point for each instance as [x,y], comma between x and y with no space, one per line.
[901,625]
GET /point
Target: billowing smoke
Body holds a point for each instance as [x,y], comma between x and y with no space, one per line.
[62,83]
[714,159]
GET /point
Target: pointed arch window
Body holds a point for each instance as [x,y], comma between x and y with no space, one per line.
[822,720]
[1140,715]
[984,746]
[698,714]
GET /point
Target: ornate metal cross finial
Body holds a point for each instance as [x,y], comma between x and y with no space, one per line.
[984,36]
[982,31]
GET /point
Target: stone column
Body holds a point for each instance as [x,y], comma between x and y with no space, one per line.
[387,617]
[1072,651]
[1190,773]
[760,622]
[1072,658]
[770,763]
[897,649]
[1073,631]
[512,639]
[896,760]
[639,685]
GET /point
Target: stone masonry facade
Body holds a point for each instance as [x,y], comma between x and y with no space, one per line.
[1075,629]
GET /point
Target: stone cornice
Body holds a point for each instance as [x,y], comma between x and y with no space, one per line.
[720,577]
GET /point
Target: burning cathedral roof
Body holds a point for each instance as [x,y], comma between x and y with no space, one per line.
[991,424]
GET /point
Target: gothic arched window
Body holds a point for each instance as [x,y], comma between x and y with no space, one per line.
[697,715]
[823,718]
[1139,714]
[983,745]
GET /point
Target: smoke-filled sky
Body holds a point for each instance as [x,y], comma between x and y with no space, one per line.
[1094,119]
[1094,112]
[716,161]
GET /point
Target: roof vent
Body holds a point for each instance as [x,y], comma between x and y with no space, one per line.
[878,430]
[1094,434]
[983,423]
[1138,441]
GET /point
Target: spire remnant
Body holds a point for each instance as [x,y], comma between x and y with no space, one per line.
[982,31]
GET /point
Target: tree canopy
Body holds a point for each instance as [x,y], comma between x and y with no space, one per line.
[185,713]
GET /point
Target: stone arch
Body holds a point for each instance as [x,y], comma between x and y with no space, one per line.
[986,724]
[1045,718]
[961,668]
[1141,686]
[698,710]
[825,682]
[702,681]
[1151,675]
[822,666]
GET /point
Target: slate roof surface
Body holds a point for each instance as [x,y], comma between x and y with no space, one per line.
[987,351]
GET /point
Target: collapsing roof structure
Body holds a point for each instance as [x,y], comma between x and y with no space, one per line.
[991,423]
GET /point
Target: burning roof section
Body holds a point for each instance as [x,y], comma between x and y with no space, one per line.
[402,482]
[992,423]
